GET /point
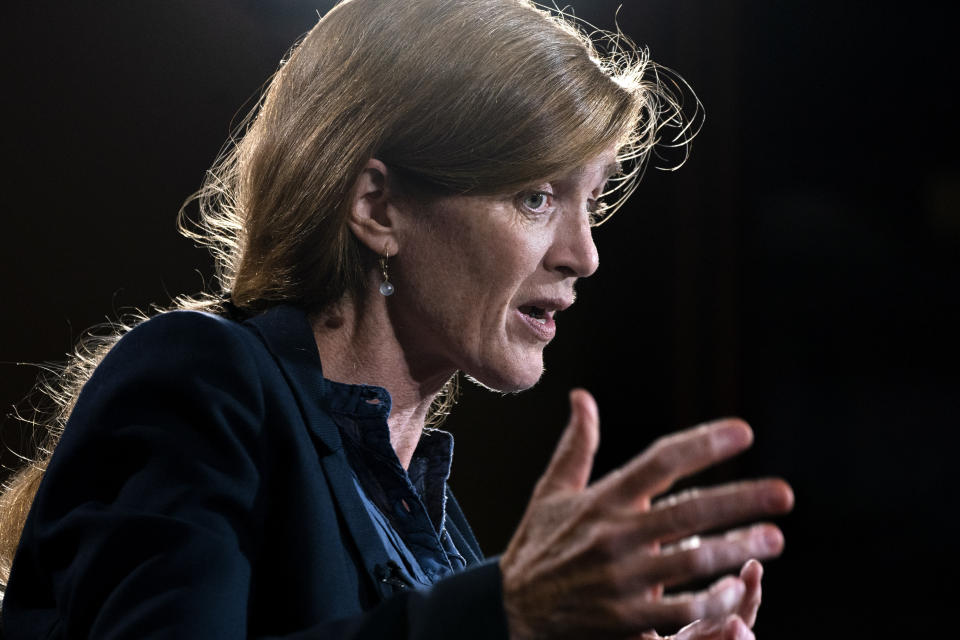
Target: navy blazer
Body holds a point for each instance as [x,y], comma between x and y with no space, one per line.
[201,490]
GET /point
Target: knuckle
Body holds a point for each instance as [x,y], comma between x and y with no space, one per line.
[689,562]
[714,446]
[684,515]
[702,560]
[621,612]
[614,611]
[592,508]
[601,542]
[662,442]
[610,574]
[663,445]
[663,459]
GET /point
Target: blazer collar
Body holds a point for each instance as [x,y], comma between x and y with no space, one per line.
[287,333]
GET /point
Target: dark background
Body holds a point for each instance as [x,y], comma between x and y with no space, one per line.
[800,271]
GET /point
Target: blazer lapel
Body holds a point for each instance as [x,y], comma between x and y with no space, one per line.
[288,336]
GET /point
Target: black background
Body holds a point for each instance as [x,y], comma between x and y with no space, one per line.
[801,270]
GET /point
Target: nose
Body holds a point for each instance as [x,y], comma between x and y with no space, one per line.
[573,252]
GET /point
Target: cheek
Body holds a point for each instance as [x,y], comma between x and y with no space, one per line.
[506,255]
[463,270]
[498,275]
[432,254]
[437,285]
[467,263]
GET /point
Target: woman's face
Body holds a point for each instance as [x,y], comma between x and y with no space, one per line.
[479,279]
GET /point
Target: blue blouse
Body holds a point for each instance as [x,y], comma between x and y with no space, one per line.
[408,508]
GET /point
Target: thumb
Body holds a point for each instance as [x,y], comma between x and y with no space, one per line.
[572,460]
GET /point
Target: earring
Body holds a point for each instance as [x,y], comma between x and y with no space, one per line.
[386,287]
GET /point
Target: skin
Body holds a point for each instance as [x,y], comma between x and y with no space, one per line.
[591,561]
[587,560]
[462,267]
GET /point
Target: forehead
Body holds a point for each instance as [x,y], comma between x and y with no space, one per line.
[592,173]
[600,167]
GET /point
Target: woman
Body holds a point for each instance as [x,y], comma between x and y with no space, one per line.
[413,197]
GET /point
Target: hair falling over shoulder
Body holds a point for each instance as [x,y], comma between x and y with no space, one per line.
[458,96]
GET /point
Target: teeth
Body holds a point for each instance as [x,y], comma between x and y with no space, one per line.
[538,314]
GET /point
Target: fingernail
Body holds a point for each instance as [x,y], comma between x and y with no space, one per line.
[773,539]
[738,435]
[756,566]
[779,498]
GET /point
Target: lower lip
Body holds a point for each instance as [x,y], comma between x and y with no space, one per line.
[544,331]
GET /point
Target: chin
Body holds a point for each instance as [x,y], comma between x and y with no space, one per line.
[512,379]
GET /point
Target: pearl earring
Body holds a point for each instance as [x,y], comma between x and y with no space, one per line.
[386,287]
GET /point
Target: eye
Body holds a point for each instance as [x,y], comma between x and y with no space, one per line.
[536,201]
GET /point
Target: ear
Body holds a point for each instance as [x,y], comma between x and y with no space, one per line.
[372,214]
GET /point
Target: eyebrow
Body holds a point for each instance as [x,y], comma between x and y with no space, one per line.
[612,169]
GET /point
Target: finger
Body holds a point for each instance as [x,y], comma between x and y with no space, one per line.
[702,557]
[736,629]
[676,456]
[697,510]
[732,628]
[699,630]
[716,603]
[569,469]
[751,575]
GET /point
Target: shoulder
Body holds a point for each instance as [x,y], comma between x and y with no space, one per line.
[179,381]
[196,329]
[186,339]
[180,354]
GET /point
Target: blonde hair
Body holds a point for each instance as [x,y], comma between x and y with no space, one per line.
[475,96]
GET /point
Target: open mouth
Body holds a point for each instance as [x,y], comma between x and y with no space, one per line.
[537,313]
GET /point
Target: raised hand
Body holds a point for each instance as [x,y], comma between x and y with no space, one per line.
[591,561]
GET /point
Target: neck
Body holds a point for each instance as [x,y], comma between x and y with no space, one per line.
[358,345]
